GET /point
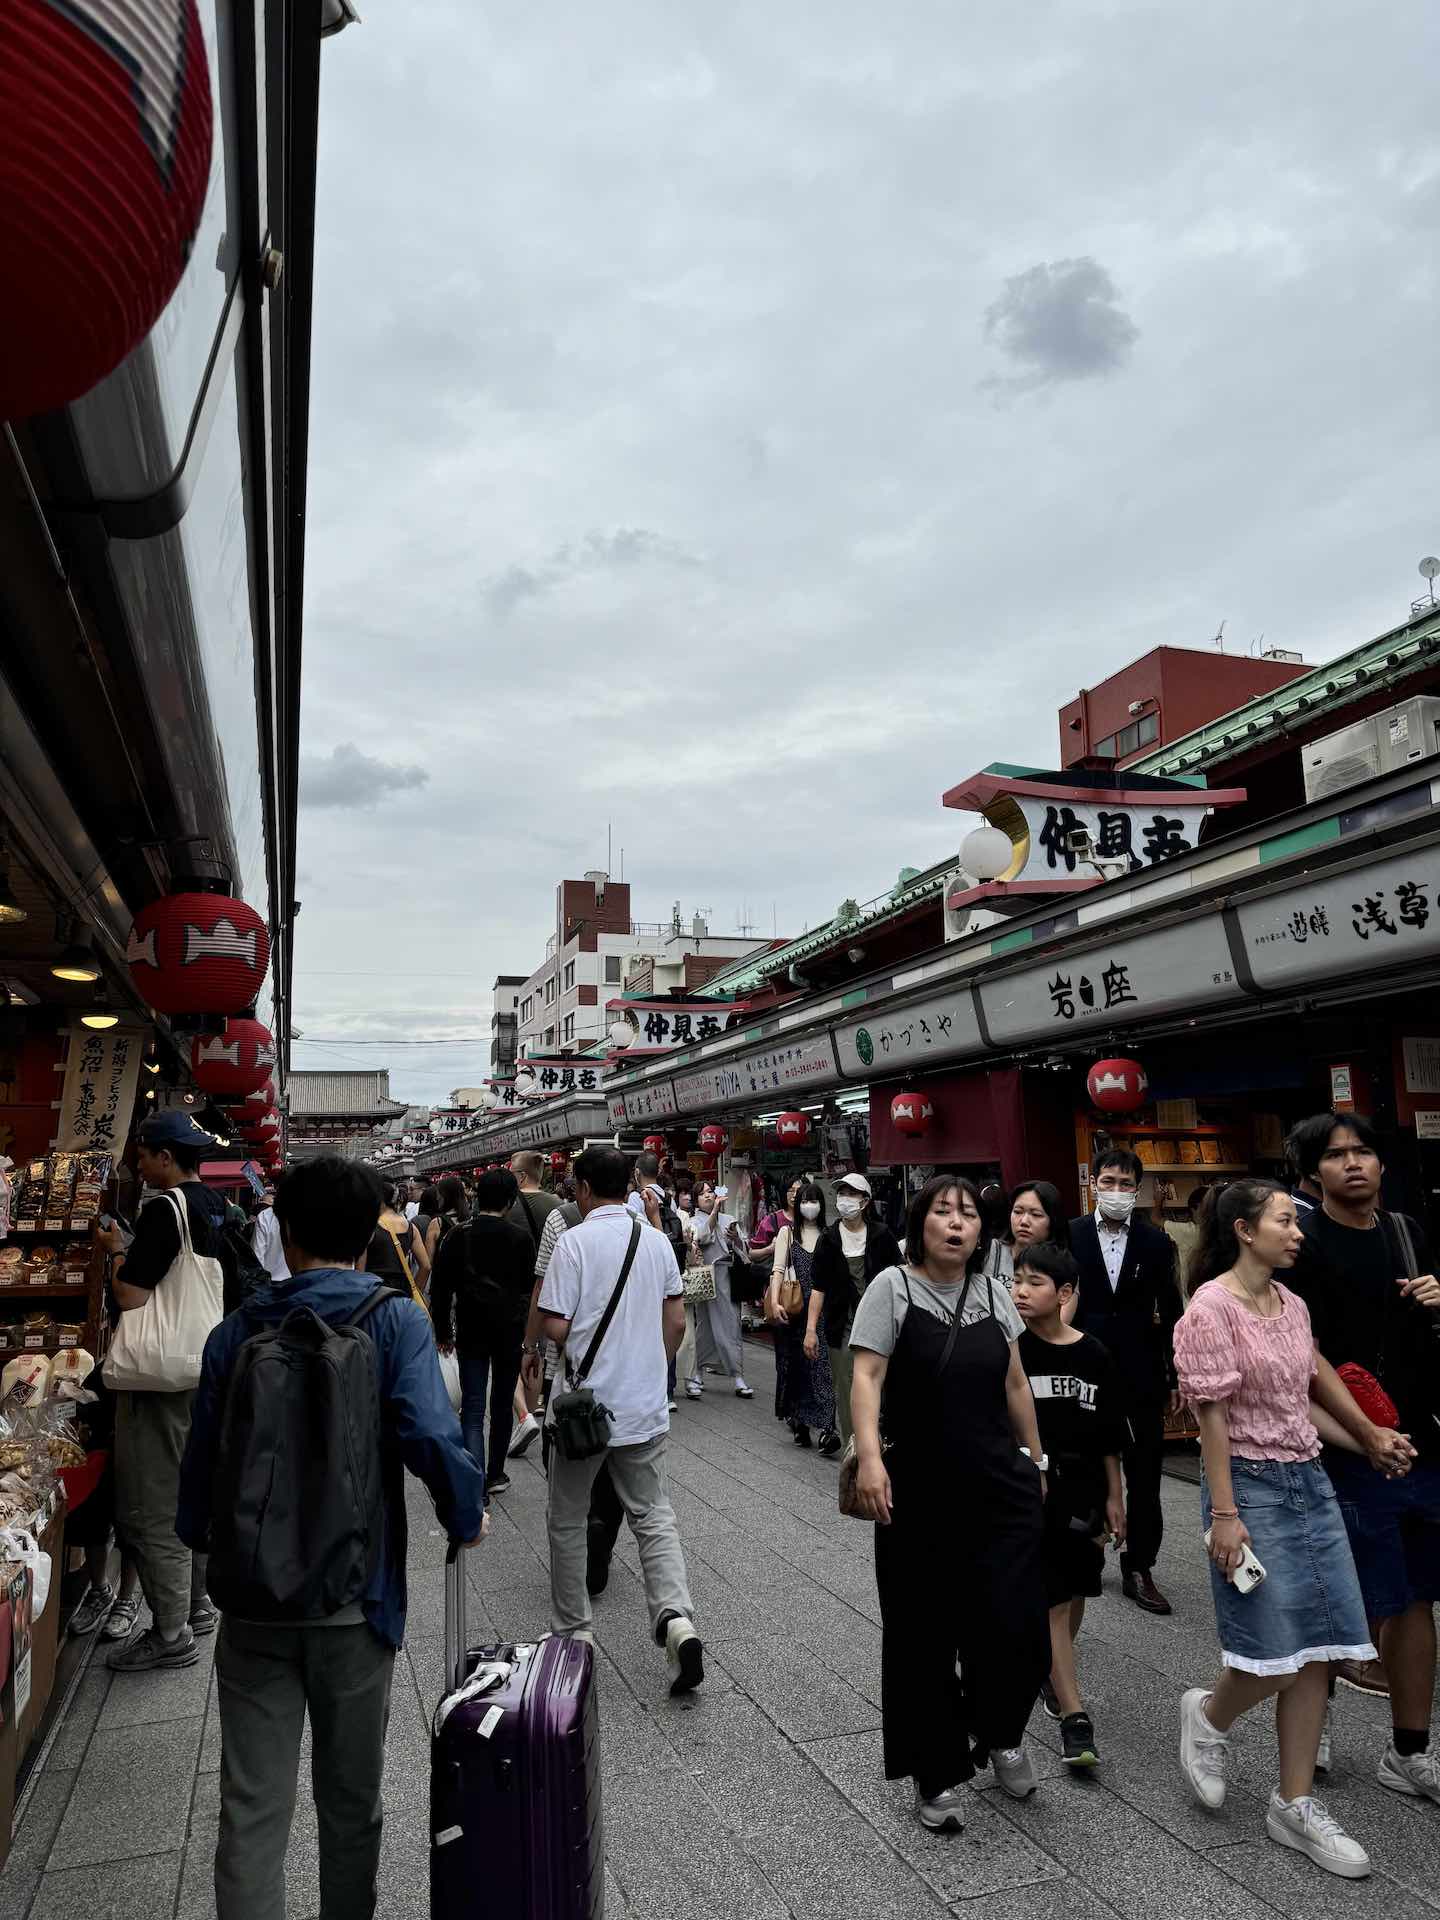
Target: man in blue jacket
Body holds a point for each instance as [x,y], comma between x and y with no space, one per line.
[269,1674]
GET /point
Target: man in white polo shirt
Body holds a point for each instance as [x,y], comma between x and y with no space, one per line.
[627,1376]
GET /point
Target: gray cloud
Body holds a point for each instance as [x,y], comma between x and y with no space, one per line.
[597,553]
[350,778]
[655,480]
[1060,321]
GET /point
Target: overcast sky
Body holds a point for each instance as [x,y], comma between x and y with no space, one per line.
[739,423]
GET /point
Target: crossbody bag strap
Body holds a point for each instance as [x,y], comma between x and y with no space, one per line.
[1407,1245]
[613,1302]
[401,1256]
[187,1244]
[954,1329]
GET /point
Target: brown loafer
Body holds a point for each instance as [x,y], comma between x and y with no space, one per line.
[1140,1588]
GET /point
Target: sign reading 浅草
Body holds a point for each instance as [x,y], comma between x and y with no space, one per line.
[1385,915]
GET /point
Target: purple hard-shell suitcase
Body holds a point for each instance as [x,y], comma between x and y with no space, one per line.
[515,1829]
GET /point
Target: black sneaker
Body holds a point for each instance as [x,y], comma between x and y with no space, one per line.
[1049,1702]
[830,1443]
[1077,1741]
[498,1483]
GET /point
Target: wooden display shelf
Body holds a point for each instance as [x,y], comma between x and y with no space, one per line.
[1203,1166]
[85,1223]
[1203,1132]
[40,1289]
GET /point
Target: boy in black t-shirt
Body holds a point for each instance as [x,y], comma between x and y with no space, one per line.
[1076,1406]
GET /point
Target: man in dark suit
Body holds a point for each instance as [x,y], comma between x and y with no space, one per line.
[1130,1301]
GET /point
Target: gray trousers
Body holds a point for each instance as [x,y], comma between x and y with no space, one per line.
[267,1677]
[842,1372]
[150,1434]
[638,1476]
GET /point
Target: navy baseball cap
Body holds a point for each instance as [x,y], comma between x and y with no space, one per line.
[173,1128]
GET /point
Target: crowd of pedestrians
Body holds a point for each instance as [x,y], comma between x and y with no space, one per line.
[993,1384]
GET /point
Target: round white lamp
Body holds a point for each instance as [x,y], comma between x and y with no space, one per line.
[986,852]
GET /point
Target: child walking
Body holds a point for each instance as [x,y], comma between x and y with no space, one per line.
[1081,1430]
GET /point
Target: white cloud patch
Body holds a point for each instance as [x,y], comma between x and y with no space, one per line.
[349,778]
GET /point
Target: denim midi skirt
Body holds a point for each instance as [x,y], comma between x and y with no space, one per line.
[1308,1606]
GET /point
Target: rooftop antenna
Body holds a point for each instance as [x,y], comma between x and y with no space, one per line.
[1429,568]
[1219,641]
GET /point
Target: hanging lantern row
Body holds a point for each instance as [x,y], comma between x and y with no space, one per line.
[1117,1086]
[198,953]
[105,142]
[911,1113]
[792,1129]
[712,1140]
[234,1062]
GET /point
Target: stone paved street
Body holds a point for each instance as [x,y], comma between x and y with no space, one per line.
[763,1798]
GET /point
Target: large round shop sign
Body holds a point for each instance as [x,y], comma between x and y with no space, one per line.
[105,141]
[1117,1086]
[911,1113]
[712,1140]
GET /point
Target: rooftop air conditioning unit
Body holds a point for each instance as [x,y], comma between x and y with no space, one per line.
[1384,743]
[957,919]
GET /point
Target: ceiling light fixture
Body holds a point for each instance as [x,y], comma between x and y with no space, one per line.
[100,1015]
[77,961]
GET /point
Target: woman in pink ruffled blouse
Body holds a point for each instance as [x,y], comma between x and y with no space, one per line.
[1248,1365]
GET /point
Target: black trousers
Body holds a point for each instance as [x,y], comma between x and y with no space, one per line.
[1143,1459]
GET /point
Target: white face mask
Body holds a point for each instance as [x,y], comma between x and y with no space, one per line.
[849,1206]
[1117,1206]
[810,1209]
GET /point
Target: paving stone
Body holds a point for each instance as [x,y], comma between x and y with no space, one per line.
[137,1699]
[989,1855]
[130,1889]
[33,1839]
[806,1702]
[80,1718]
[132,1796]
[1293,1885]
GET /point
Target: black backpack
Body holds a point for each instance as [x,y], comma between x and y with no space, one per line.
[298,1504]
[674,1231]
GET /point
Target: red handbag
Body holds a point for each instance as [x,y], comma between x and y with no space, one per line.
[1368,1394]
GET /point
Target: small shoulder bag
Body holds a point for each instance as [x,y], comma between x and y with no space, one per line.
[582,1424]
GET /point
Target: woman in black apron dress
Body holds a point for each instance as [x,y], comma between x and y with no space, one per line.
[958,1553]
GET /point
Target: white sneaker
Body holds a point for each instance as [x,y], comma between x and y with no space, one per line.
[524,1436]
[742,1392]
[942,1814]
[1417,1774]
[1308,1827]
[1015,1771]
[1204,1753]
[1322,1755]
[693,1389]
[672,1406]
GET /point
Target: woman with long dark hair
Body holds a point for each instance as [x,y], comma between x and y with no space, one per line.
[804,1390]
[454,1210]
[944,1420]
[1248,1364]
[1035,1213]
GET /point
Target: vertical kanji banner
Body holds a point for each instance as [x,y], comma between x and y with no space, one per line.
[101,1071]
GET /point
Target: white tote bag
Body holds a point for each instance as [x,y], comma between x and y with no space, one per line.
[450,1374]
[157,1348]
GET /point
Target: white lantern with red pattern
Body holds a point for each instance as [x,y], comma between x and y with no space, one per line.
[233,1062]
[792,1129]
[911,1113]
[198,953]
[1117,1086]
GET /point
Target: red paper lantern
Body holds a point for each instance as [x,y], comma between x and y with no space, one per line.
[234,1062]
[654,1143]
[559,1162]
[1117,1086]
[712,1140]
[198,953]
[911,1113]
[792,1129]
[263,1097]
[105,138]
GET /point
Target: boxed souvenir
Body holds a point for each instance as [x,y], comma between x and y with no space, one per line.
[60,1184]
[1210,1151]
[36,1329]
[12,1266]
[1189,1155]
[43,1268]
[1149,1152]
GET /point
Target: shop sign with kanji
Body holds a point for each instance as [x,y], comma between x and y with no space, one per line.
[1074,830]
[940,1028]
[1384,913]
[1127,979]
[663,1026]
[562,1075]
[101,1071]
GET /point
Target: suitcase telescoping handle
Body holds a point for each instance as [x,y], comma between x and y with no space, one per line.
[457,1639]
